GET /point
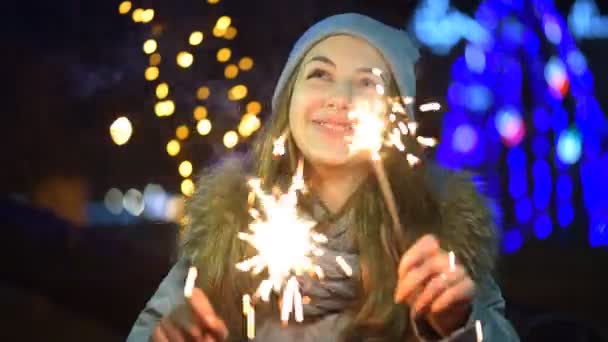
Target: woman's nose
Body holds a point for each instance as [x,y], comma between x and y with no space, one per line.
[340,97]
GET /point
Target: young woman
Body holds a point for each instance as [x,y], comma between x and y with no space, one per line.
[399,291]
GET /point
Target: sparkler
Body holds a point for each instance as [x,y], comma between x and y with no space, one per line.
[286,245]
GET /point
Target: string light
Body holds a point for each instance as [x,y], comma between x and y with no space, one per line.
[196,38]
[200,113]
[187,187]
[185,59]
[151,73]
[203,127]
[217,32]
[223,22]
[203,93]
[185,168]
[121,130]
[155,59]
[254,107]
[124,7]
[230,33]
[137,15]
[164,108]
[246,63]
[231,71]
[162,90]
[173,147]
[231,139]
[182,132]
[147,16]
[150,46]
[237,92]
[223,55]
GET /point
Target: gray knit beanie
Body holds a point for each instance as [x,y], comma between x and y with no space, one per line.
[394,44]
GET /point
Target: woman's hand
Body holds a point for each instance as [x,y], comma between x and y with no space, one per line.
[434,289]
[195,321]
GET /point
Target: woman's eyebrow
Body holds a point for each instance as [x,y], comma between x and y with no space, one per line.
[373,71]
[322,59]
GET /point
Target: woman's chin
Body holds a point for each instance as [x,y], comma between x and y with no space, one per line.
[335,158]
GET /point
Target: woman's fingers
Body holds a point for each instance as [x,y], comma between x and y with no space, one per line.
[414,281]
[203,310]
[169,331]
[158,335]
[435,287]
[459,292]
[424,247]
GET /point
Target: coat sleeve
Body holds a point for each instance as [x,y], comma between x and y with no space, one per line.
[488,309]
[168,295]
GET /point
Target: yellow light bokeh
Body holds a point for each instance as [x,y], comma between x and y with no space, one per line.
[155,59]
[246,63]
[164,108]
[121,130]
[231,71]
[203,127]
[223,54]
[151,73]
[254,107]
[218,33]
[213,2]
[124,7]
[173,147]
[223,22]
[230,33]
[182,132]
[185,59]
[147,16]
[203,93]
[231,139]
[185,168]
[150,46]
[137,15]
[196,38]
[238,92]
[200,113]
[187,187]
[249,124]
[162,90]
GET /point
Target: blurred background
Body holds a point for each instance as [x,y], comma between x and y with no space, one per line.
[119,104]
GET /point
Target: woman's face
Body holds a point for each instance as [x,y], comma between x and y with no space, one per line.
[336,75]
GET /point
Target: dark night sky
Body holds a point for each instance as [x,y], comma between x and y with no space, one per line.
[78,64]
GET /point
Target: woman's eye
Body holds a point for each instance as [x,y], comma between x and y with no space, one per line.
[318,73]
[367,82]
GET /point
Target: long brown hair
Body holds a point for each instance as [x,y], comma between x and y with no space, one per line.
[211,242]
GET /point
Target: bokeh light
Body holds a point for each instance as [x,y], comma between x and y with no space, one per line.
[164,108]
[195,38]
[124,7]
[187,187]
[203,93]
[185,59]
[151,73]
[464,139]
[231,139]
[173,147]
[213,2]
[238,92]
[223,55]
[217,32]
[121,130]
[246,63]
[133,202]
[231,71]
[203,127]
[254,107]
[223,22]
[200,113]
[155,59]
[185,168]
[249,124]
[137,15]
[147,16]
[162,90]
[182,132]
[230,33]
[510,126]
[569,146]
[113,201]
[556,77]
[150,46]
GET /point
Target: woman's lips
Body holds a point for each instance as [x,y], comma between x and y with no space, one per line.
[334,128]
